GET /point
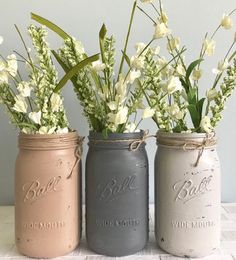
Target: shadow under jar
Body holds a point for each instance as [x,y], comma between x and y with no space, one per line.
[116,194]
[47,192]
[187,194]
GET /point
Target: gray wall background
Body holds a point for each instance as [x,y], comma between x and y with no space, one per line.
[189,19]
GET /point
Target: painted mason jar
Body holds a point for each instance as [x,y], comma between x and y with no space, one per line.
[47,191]
[117,194]
[187,194]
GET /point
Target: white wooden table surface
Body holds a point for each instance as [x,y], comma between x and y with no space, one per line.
[226,252]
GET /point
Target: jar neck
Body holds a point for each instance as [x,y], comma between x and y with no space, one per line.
[187,141]
[117,140]
[48,141]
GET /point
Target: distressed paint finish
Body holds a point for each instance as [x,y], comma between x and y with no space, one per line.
[226,251]
[116,195]
[187,197]
[47,195]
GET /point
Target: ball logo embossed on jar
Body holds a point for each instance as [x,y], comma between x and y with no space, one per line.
[36,190]
[188,189]
[115,188]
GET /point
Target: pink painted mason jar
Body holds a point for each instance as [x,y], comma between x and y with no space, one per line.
[47,195]
[187,194]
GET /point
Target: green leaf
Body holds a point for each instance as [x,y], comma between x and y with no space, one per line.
[103,32]
[194,115]
[74,70]
[105,133]
[200,106]
[184,84]
[192,96]
[191,67]
[50,25]
[102,35]
[126,58]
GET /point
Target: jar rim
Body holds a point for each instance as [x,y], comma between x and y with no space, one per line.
[114,136]
[48,141]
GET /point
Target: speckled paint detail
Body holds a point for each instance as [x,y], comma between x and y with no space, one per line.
[187,200]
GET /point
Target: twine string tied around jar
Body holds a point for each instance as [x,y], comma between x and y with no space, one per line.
[78,155]
[134,146]
[190,145]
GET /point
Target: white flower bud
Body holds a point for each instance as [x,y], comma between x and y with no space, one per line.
[226,22]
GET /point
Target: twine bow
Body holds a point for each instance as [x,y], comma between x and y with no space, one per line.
[135,145]
[207,141]
[78,154]
[189,145]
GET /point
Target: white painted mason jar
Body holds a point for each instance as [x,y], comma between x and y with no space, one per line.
[187,194]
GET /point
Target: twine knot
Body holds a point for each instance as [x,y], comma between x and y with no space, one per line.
[78,154]
[135,145]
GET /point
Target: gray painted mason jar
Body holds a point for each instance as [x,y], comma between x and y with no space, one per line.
[116,194]
[187,194]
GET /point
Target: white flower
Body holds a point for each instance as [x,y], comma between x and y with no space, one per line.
[173,44]
[131,128]
[163,18]
[46,130]
[172,85]
[209,46]
[24,89]
[211,94]
[147,1]
[156,50]
[133,75]
[98,65]
[121,86]
[222,65]
[161,31]
[3,77]
[206,124]
[64,130]
[12,65]
[2,65]
[148,112]
[175,112]
[120,117]
[56,102]
[137,62]
[26,130]
[140,46]
[197,74]
[180,70]
[20,104]
[35,117]
[1,40]
[226,22]
[112,105]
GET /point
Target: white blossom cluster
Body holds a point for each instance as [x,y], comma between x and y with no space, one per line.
[33,106]
[173,94]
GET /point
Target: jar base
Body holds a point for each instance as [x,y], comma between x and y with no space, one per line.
[188,254]
[104,252]
[38,255]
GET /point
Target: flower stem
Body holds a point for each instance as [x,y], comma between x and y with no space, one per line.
[127,38]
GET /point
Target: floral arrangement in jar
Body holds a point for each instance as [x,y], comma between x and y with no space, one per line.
[110,101]
[35,104]
[174,99]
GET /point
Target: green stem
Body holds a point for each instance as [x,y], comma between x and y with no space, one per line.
[127,38]
[147,15]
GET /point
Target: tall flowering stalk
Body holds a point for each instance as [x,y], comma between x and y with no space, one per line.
[174,98]
[108,100]
[35,104]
